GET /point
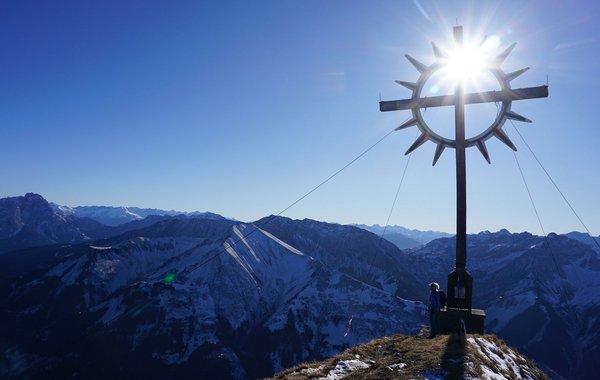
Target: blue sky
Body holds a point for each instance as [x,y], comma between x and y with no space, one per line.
[242,107]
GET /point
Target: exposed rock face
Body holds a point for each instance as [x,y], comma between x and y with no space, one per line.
[29,221]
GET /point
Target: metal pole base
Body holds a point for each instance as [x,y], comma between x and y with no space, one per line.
[462,321]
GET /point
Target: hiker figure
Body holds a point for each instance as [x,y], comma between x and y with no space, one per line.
[434,309]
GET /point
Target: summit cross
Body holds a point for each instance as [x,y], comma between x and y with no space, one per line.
[459,280]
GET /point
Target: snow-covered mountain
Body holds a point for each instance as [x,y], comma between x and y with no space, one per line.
[217,298]
[182,298]
[115,216]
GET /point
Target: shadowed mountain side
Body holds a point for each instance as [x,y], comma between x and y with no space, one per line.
[401,241]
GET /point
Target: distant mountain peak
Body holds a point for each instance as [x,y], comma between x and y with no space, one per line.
[34,196]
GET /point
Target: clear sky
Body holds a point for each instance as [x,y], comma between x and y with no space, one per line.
[241,107]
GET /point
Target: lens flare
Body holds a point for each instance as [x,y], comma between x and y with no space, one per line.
[491,43]
[169,278]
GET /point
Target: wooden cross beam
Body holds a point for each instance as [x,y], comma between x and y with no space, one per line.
[471,98]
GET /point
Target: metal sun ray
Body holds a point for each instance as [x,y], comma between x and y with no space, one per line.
[494,130]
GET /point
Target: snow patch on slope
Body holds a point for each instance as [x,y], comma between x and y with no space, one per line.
[282,243]
[344,368]
[132,214]
[504,360]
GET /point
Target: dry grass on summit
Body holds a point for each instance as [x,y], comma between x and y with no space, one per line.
[445,356]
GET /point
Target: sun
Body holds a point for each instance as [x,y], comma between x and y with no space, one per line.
[468,63]
[464,63]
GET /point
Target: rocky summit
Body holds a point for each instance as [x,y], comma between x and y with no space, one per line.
[450,357]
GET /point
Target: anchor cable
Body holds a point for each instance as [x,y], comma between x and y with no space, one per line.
[555,185]
[387,223]
[537,215]
[270,218]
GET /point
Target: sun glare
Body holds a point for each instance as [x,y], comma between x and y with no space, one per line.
[469,63]
[464,63]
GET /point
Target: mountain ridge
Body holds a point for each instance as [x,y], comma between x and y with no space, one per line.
[254,298]
[117,215]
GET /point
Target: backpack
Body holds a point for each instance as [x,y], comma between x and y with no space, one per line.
[442,298]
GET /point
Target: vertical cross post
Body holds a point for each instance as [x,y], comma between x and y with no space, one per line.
[461,172]
[460,282]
